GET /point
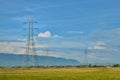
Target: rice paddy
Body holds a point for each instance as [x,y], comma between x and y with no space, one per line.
[60,74]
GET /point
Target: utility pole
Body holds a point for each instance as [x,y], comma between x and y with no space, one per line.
[31,55]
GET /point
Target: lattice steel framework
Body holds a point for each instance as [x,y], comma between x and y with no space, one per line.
[31,55]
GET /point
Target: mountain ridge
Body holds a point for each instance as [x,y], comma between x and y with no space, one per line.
[18,60]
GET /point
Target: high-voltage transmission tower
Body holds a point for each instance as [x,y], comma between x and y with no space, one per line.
[31,55]
[47,56]
[86,56]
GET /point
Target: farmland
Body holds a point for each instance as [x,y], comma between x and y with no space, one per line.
[60,74]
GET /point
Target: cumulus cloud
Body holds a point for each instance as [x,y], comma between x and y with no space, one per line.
[46,34]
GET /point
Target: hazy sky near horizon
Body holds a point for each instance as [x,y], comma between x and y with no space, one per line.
[66,27]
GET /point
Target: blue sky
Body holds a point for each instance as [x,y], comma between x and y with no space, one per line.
[67,27]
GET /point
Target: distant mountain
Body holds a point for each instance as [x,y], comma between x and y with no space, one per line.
[9,60]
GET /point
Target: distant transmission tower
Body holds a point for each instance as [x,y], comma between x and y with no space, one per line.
[86,57]
[31,55]
[47,57]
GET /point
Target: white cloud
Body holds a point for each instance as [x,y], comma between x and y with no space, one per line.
[12,47]
[57,36]
[98,45]
[16,47]
[46,34]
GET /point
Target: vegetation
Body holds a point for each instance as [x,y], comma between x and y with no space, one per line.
[60,73]
[66,66]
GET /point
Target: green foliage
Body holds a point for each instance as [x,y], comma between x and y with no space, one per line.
[116,65]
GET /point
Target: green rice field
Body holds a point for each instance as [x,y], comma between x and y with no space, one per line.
[60,74]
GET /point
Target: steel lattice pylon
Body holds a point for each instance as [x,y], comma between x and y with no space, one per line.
[31,55]
[86,56]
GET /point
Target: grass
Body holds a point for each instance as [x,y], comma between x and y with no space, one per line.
[60,74]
